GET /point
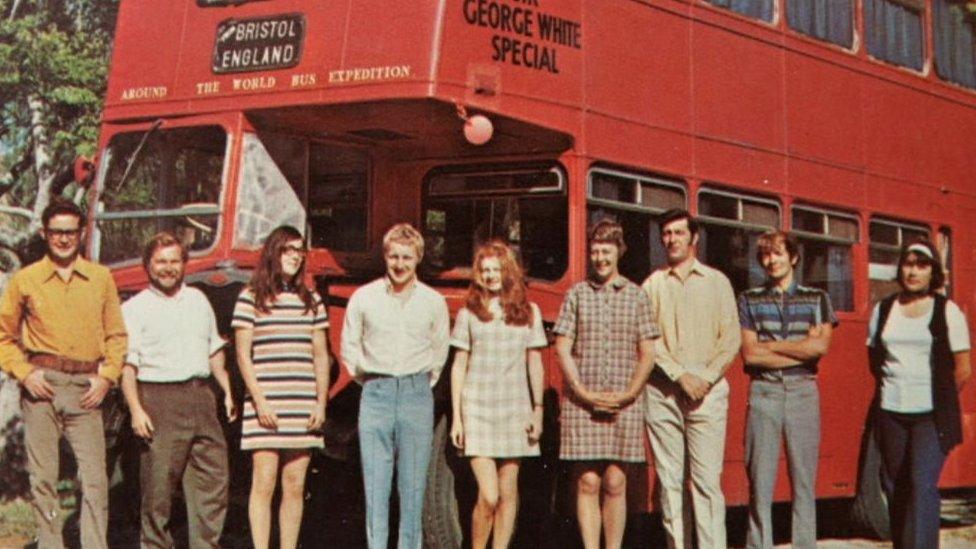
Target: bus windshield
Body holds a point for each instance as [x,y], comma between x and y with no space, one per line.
[174,184]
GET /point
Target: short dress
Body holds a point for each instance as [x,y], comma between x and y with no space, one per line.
[282,356]
[606,323]
[496,404]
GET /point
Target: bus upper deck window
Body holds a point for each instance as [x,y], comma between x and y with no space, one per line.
[756,9]
[730,227]
[175,184]
[893,30]
[828,20]
[524,206]
[826,238]
[886,239]
[954,35]
[634,201]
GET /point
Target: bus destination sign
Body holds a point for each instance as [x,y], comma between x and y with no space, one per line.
[259,44]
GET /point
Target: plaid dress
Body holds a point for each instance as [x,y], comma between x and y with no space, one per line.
[495,402]
[282,356]
[606,324]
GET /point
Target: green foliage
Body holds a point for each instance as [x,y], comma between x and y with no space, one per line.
[58,52]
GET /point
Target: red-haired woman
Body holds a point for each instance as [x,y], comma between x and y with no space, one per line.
[496,387]
[280,331]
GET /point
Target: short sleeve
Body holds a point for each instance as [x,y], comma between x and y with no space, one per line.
[566,323]
[244,311]
[537,335]
[745,315]
[216,342]
[646,326]
[461,336]
[958,328]
[321,320]
[827,310]
[873,325]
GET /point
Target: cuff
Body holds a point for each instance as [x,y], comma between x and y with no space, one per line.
[110,372]
[21,370]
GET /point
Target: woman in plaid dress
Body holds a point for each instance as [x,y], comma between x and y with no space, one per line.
[497,418]
[604,340]
[280,332]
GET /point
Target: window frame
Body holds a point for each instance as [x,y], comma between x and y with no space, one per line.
[900,225]
[827,212]
[638,179]
[95,247]
[459,272]
[740,196]
[855,41]
[925,25]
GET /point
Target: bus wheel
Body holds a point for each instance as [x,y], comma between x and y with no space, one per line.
[442,528]
[870,509]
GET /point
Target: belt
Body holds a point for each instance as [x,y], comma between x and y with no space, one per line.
[761,373]
[63,364]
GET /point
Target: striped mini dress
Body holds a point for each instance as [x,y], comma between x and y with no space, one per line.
[282,356]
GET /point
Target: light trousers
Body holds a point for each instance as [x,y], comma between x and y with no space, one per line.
[675,424]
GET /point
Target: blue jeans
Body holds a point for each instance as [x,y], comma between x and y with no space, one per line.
[783,406]
[913,462]
[396,421]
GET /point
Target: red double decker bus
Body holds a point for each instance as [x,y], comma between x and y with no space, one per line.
[850,123]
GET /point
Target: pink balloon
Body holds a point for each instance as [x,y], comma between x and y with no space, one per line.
[478,129]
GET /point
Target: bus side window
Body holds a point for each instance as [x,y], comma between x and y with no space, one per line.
[955,42]
[829,21]
[756,9]
[943,242]
[826,238]
[886,239]
[731,224]
[893,30]
[635,202]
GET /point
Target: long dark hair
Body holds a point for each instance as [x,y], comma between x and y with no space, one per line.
[513,300]
[934,259]
[268,280]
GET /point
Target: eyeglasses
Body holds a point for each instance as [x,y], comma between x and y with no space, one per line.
[294,250]
[55,233]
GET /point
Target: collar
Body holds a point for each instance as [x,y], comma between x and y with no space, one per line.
[618,282]
[177,296]
[695,267]
[407,292]
[791,290]
[81,266]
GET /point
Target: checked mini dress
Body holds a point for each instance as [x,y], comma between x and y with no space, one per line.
[496,404]
[605,323]
[282,356]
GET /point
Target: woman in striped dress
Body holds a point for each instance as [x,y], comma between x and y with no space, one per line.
[280,331]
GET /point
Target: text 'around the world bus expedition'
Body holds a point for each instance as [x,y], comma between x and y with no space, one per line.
[537,32]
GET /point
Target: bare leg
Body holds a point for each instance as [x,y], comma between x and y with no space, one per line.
[614,505]
[508,502]
[292,497]
[263,478]
[588,504]
[483,515]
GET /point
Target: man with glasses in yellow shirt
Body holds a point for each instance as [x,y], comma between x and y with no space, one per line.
[62,336]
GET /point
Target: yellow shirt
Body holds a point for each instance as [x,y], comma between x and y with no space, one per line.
[699,322]
[78,319]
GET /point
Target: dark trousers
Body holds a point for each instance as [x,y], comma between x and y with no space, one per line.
[188,449]
[913,462]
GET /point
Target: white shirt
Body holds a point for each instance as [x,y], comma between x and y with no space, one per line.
[906,375]
[171,339]
[387,334]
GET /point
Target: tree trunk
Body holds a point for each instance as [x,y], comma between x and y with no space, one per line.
[42,159]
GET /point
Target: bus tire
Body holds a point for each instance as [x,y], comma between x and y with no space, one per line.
[869,512]
[442,527]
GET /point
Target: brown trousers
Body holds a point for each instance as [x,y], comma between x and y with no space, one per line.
[45,421]
[189,449]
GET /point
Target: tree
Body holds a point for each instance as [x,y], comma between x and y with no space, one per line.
[53,63]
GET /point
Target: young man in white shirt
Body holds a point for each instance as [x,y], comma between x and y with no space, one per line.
[174,351]
[395,343]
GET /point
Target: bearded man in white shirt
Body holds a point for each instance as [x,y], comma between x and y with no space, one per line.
[395,343]
[175,354]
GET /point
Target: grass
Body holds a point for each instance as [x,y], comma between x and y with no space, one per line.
[16,522]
